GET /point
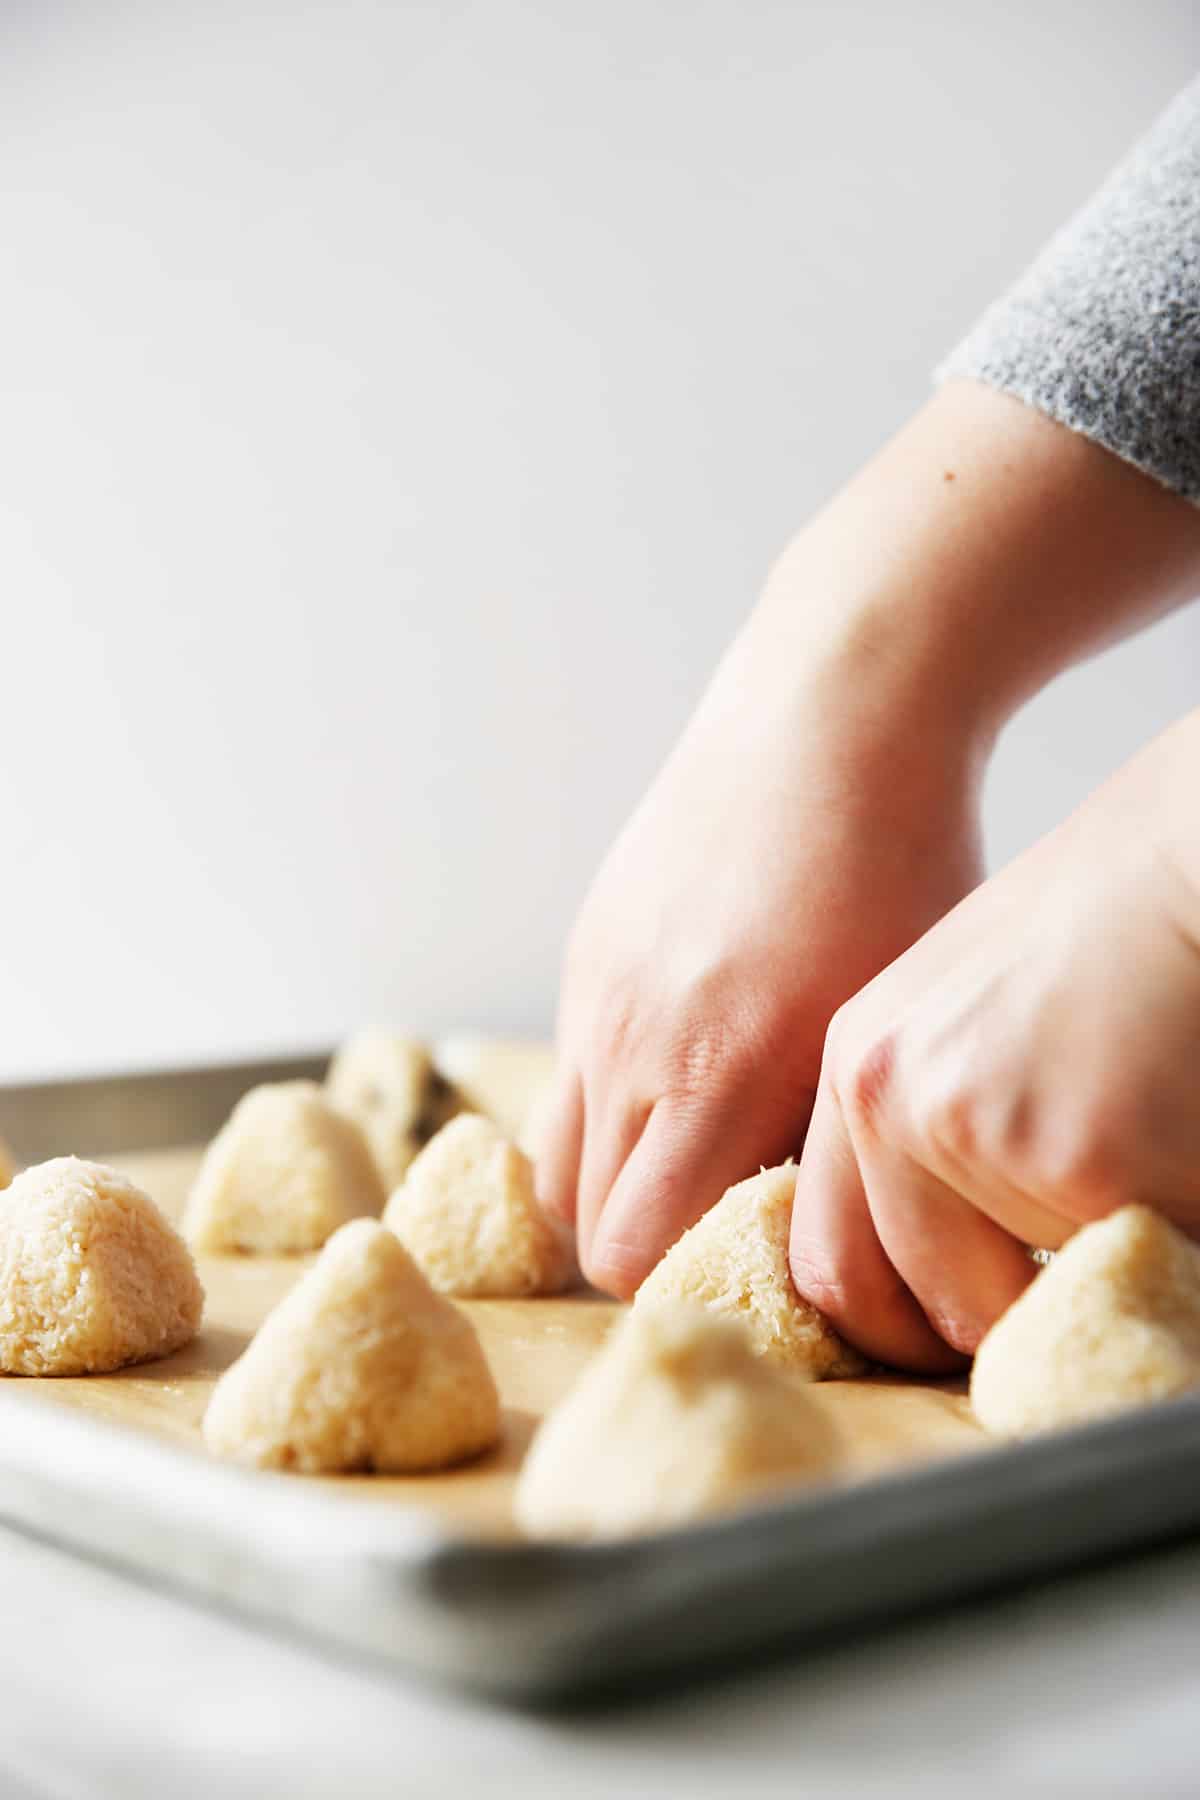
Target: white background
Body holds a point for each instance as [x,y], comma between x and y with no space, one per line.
[399,407]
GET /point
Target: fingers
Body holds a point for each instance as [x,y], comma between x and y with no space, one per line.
[981,1180]
[688,1154]
[962,1268]
[888,1240]
[838,1262]
[610,1135]
[560,1148]
[953,1088]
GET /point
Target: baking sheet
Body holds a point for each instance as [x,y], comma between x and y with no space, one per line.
[428,1572]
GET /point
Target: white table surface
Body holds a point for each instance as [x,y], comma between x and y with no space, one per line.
[1090,1686]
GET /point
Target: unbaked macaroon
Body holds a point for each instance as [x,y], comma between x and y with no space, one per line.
[676,1418]
[467,1212]
[388,1085]
[92,1276]
[1112,1321]
[734,1261]
[284,1171]
[361,1367]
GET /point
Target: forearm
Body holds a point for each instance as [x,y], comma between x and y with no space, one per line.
[983,550]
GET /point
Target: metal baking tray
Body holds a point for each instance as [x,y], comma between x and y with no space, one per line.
[536,1623]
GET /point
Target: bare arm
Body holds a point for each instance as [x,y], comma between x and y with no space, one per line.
[982,551]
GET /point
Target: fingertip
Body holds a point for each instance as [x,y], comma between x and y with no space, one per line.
[962,1268]
[615,1267]
[889,1330]
[556,1162]
[840,1267]
[812,1277]
[612,1130]
[671,1176]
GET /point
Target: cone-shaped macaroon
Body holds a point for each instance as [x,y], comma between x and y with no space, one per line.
[1112,1321]
[91,1274]
[8,1164]
[361,1367]
[468,1214]
[390,1088]
[284,1171]
[675,1418]
[735,1262]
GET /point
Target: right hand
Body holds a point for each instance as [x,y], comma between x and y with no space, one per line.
[1030,1065]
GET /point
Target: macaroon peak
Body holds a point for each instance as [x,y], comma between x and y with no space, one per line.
[468,1213]
[362,1366]
[734,1262]
[676,1418]
[285,1170]
[92,1276]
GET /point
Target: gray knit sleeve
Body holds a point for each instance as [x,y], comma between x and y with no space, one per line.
[1103,331]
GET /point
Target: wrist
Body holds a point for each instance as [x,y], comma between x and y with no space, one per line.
[981,552]
[880,643]
[851,678]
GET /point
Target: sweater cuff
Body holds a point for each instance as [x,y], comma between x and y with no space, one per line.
[1102,333]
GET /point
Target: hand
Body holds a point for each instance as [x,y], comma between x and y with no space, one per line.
[801,836]
[1031,1064]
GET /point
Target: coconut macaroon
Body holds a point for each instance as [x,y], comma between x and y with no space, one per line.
[390,1088]
[8,1164]
[284,1171]
[1112,1321]
[91,1274]
[468,1214]
[735,1262]
[676,1418]
[361,1367]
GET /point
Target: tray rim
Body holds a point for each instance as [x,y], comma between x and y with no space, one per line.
[165,1108]
[539,1622]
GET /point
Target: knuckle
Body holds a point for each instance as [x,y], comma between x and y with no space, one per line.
[945,1120]
[708,1051]
[619,1017]
[1084,1165]
[841,1036]
[612,1017]
[863,1072]
[949,1110]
